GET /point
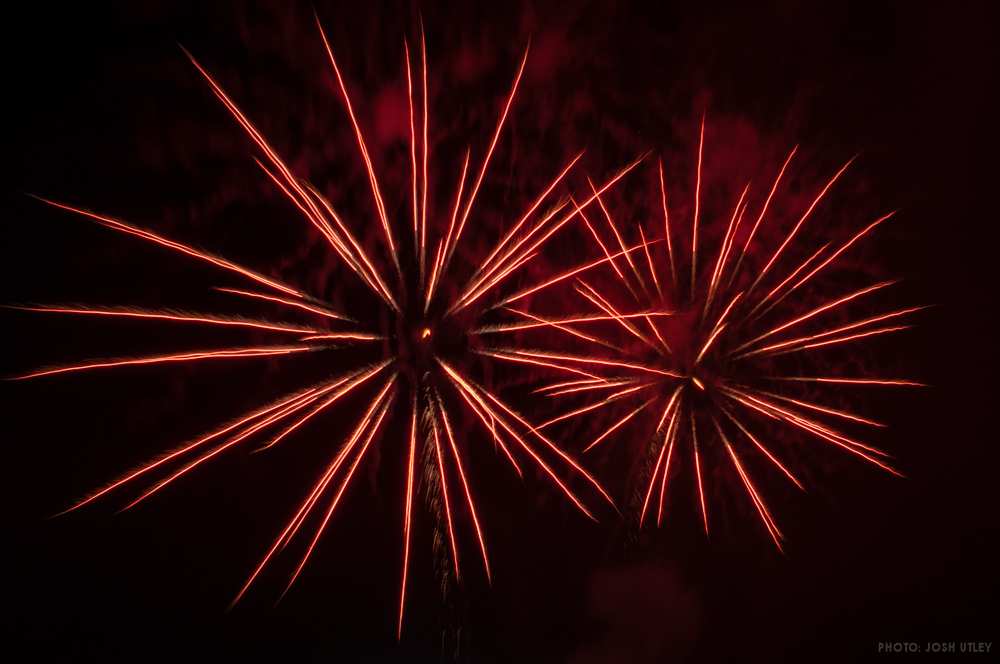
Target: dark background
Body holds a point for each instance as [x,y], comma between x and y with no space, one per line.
[108,114]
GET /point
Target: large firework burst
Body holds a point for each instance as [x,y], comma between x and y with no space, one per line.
[418,343]
[701,336]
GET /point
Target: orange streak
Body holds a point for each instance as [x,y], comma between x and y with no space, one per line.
[380,288]
[594,406]
[465,486]
[855,381]
[305,508]
[184,357]
[831,332]
[697,205]
[489,422]
[544,322]
[604,248]
[801,221]
[794,273]
[697,472]
[649,262]
[566,275]
[463,385]
[763,211]
[659,460]
[838,252]
[187,448]
[292,303]
[373,181]
[594,360]
[426,147]
[352,381]
[818,310]
[724,249]
[671,437]
[413,155]
[212,320]
[184,249]
[765,515]
[489,152]
[602,303]
[336,499]
[551,365]
[763,449]
[301,403]
[444,492]
[443,247]
[614,427]
[407,515]
[666,226]
[853,337]
[482,271]
[828,411]
[618,237]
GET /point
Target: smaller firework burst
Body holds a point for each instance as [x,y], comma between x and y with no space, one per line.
[698,358]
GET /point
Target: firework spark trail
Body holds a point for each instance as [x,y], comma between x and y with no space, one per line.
[519,245]
[291,303]
[177,246]
[703,379]
[179,357]
[173,316]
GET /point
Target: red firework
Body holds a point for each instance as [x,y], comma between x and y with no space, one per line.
[419,346]
[698,359]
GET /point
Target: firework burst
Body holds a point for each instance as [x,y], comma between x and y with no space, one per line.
[701,337]
[417,360]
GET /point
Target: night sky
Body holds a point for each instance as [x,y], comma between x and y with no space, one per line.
[109,115]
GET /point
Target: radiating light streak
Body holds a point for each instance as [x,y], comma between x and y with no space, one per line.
[851,337]
[470,503]
[593,360]
[697,471]
[177,246]
[666,225]
[765,515]
[465,388]
[671,438]
[764,450]
[618,237]
[307,504]
[443,478]
[329,313]
[812,273]
[697,206]
[649,262]
[346,385]
[763,211]
[345,482]
[489,154]
[562,277]
[815,312]
[614,427]
[372,179]
[774,257]
[170,316]
[546,322]
[853,381]
[142,470]
[843,414]
[659,460]
[831,332]
[526,360]
[181,357]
